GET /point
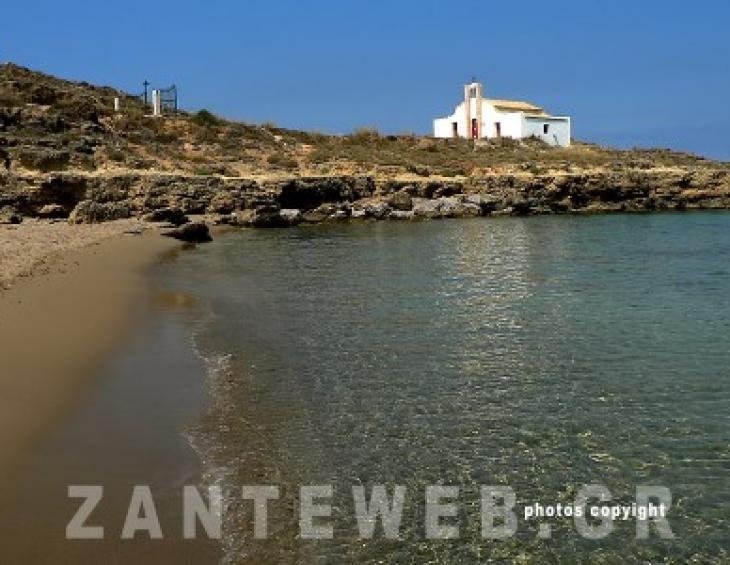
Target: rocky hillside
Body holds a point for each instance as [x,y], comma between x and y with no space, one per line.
[64,152]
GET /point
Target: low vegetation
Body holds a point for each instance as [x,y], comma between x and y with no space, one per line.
[205,118]
[47,122]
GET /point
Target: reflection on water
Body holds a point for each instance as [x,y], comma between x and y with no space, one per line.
[539,353]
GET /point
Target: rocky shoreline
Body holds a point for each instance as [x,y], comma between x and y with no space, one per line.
[92,197]
[67,155]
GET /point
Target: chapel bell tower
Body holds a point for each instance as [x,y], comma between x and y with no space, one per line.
[473,108]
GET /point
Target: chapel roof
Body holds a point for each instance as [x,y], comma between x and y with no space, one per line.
[515,106]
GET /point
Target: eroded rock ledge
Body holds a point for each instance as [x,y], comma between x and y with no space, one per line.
[282,202]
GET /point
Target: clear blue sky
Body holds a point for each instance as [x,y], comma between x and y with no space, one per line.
[629,72]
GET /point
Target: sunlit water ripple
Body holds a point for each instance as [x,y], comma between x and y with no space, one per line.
[540,353]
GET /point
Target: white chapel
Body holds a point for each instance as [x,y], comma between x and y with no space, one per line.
[478,117]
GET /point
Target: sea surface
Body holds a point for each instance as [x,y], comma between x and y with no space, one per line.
[541,353]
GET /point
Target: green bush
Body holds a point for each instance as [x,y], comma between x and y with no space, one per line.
[205,118]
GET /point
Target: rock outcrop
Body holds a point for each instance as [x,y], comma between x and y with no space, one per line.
[9,216]
[283,203]
[173,216]
[90,212]
[53,211]
[196,232]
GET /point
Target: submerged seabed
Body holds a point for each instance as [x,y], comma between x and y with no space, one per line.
[540,353]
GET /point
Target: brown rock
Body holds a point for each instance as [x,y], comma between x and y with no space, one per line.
[90,212]
[196,232]
[53,211]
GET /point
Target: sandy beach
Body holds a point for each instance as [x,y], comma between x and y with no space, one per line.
[68,303]
[37,247]
[74,296]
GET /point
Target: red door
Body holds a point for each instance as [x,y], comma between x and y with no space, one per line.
[474,128]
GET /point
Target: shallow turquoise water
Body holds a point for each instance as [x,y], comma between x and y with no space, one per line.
[541,353]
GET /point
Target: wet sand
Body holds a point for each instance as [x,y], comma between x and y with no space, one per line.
[76,407]
[57,326]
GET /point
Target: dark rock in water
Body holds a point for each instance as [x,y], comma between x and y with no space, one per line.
[523,207]
[174,216]
[90,212]
[9,216]
[267,217]
[561,206]
[196,232]
[53,211]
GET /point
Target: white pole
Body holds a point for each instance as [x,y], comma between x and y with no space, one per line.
[156,103]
